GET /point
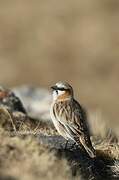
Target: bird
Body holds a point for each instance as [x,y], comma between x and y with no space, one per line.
[69,117]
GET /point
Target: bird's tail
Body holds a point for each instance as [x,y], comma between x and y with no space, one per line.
[86,142]
[91,151]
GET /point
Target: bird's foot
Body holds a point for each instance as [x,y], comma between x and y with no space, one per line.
[66,144]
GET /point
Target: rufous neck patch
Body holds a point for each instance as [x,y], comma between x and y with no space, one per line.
[66,95]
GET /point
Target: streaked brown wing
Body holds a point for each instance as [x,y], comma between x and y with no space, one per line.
[80,117]
[72,115]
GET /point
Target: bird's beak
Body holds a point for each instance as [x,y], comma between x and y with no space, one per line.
[54,87]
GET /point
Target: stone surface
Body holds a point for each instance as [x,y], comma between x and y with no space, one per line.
[36,101]
[98,168]
[10,101]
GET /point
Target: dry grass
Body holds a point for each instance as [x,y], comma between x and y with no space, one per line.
[24,158]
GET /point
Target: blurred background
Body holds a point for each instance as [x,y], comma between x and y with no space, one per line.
[42,42]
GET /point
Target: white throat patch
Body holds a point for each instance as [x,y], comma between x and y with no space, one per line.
[57,93]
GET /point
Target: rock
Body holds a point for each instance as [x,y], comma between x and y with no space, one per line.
[13,115]
[98,168]
[10,101]
[36,101]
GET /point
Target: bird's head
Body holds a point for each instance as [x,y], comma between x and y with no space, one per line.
[62,91]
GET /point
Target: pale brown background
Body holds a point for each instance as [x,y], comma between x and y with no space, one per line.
[44,41]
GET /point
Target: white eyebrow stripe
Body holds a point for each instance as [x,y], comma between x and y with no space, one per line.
[60,92]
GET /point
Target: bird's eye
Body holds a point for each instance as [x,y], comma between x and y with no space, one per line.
[57,91]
